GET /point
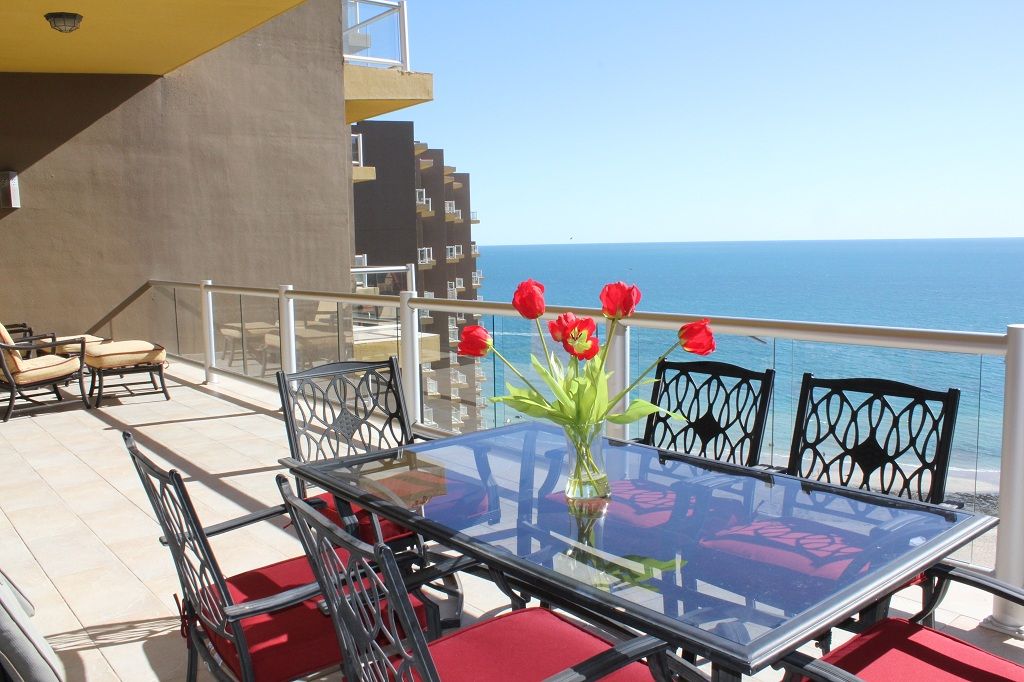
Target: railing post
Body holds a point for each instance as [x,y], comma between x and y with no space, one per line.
[403,33]
[410,354]
[206,315]
[286,313]
[410,278]
[1008,617]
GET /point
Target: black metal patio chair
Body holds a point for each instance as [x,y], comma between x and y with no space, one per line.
[349,408]
[726,408]
[523,645]
[263,624]
[907,649]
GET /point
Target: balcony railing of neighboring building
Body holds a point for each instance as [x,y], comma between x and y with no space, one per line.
[377,33]
[455,395]
[474,217]
[423,202]
[478,278]
[460,284]
[289,329]
[449,207]
[451,288]
[459,378]
[425,255]
[428,416]
[474,250]
[453,253]
[357,149]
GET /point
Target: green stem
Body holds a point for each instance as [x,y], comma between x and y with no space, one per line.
[516,371]
[608,341]
[614,401]
[544,342]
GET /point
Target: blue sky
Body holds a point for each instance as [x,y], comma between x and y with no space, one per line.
[685,120]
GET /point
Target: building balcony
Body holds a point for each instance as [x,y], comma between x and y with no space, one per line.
[474,217]
[425,258]
[474,250]
[378,76]
[424,205]
[460,284]
[360,172]
[477,278]
[453,253]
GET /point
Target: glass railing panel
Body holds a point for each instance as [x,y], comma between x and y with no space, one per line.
[227,327]
[373,36]
[189,325]
[261,347]
[161,325]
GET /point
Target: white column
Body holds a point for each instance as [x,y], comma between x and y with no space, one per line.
[409,329]
[403,34]
[286,313]
[206,315]
[1008,617]
[410,278]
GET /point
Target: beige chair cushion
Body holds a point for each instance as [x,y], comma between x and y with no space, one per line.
[45,367]
[113,354]
[71,347]
[14,360]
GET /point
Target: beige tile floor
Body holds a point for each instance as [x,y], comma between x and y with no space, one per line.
[77,532]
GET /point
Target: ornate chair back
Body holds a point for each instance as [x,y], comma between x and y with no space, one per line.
[726,408]
[343,408]
[374,621]
[874,434]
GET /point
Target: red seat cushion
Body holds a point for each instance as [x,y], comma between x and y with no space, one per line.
[521,646]
[799,545]
[289,643]
[896,649]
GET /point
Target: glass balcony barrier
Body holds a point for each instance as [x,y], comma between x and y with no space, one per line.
[376,33]
[357,149]
[246,339]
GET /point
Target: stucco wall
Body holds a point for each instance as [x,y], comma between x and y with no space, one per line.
[233,168]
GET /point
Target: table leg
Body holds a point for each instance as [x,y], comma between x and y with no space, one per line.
[722,674]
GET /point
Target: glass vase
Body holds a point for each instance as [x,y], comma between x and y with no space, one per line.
[587,478]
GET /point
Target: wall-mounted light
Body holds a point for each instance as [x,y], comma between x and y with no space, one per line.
[65,22]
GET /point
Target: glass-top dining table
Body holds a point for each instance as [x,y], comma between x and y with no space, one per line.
[739,565]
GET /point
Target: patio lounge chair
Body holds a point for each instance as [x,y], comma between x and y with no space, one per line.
[19,374]
[264,624]
[525,645]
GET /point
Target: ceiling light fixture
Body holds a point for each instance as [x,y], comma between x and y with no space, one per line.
[65,22]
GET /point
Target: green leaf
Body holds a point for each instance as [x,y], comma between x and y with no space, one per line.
[555,387]
[638,409]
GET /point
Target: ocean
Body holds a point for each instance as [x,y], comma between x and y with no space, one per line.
[957,284]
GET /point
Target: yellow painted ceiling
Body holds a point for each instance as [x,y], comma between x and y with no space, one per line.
[124,36]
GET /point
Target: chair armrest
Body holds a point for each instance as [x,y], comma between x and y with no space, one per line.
[39,337]
[815,669]
[613,659]
[248,519]
[980,581]
[438,570]
[275,602]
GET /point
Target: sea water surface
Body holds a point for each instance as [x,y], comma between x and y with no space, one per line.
[957,284]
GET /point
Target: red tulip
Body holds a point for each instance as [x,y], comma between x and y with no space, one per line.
[619,300]
[696,337]
[476,342]
[580,339]
[529,299]
[561,325]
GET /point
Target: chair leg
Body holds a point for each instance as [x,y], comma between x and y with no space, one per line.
[163,382]
[92,382]
[192,673]
[81,389]
[56,392]
[10,405]
[99,388]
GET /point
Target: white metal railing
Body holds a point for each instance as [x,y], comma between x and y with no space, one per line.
[428,416]
[459,377]
[474,250]
[451,287]
[428,294]
[357,149]
[425,255]
[474,215]
[460,283]
[449,207]
[1009,564]
[458,215]
[423,200]
[377,26]
[478,277]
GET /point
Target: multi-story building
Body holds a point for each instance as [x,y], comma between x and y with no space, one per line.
[205,142]
[418,210]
